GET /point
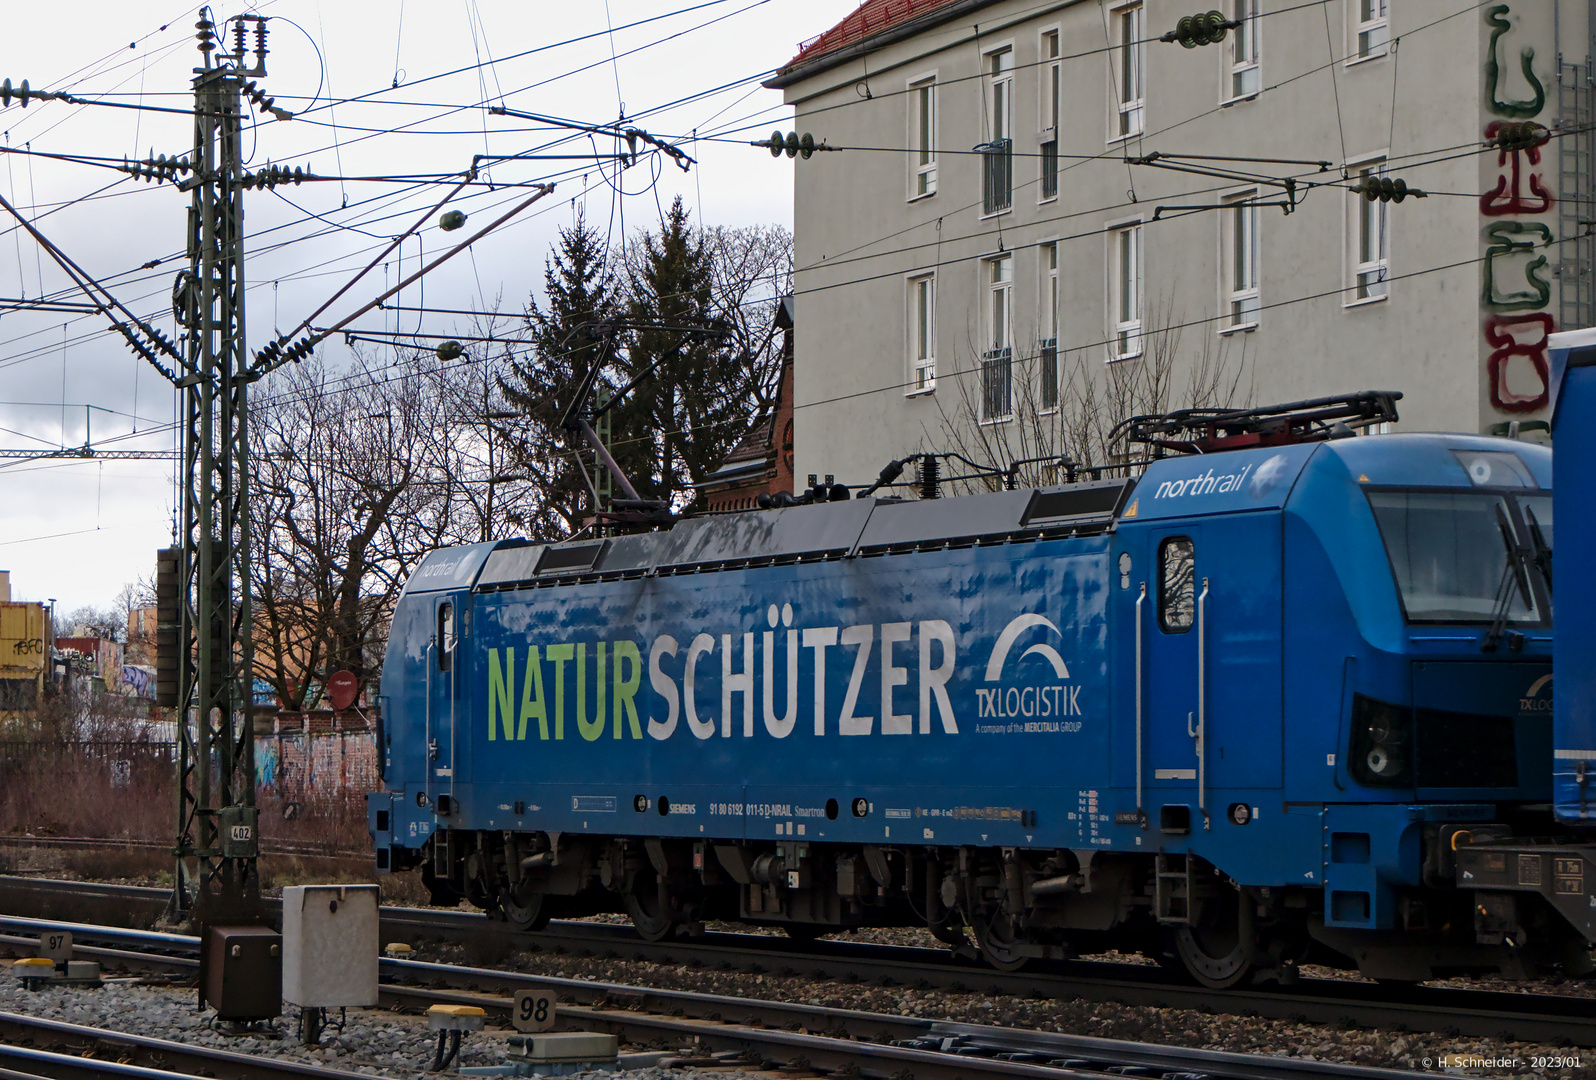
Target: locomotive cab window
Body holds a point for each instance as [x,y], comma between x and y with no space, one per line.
[1177,593]
[1464,557]
[445,636]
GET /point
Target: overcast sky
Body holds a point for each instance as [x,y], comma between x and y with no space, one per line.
[77,531]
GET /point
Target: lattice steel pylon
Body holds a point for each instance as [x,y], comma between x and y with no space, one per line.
[216,830]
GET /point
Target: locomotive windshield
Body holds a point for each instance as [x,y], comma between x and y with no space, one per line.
[1459,556]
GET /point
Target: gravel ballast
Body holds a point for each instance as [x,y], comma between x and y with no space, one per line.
[374,1042]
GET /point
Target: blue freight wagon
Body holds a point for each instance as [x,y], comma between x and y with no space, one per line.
[1244,709]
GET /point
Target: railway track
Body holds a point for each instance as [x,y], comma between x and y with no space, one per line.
[723,1030]
[298,851]
[1541,1018]
[31,1046]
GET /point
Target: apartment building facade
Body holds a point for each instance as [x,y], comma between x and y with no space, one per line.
[1031,195]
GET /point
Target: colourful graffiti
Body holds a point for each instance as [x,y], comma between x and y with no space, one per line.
[1520,110]
[1502,333]
[292,766]
[1515,284]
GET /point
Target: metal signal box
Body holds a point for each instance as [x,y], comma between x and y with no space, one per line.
[330,945]
[237,825]
[243,972]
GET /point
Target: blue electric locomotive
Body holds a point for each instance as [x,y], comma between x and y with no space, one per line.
[1246,707]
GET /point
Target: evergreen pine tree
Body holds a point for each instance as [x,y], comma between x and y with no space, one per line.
[698,403]
[579,295]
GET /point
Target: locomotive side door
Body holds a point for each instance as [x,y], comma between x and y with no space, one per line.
[1171,636]
[443,682]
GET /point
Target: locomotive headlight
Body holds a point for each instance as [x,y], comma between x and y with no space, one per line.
[1382,734]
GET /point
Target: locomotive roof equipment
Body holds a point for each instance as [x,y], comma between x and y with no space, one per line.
[1207,430]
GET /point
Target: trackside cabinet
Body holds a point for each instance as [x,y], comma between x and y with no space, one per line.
[242,972]
[330,945]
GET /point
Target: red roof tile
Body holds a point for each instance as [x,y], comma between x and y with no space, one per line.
[870,18]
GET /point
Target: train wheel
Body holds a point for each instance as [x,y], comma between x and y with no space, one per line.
[1216,951]
[999,941]
[650,916]
[530,914]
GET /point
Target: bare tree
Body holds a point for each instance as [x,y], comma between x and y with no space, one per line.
[357,476]
[92,620]
[1034,445]
[752,272]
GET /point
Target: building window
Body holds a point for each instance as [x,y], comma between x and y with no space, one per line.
[1371,237]
[1049,343]
[1373,28]
[1244,73]
[1125,291]
[997,361]
[922,333]
[1238,285]
[1127,70]
[1050,114]
[922,137]
[997,172]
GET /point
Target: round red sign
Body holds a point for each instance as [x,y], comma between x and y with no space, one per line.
[342,689]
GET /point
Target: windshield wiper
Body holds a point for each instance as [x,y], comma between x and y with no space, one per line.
[1513,577]
[1543,550]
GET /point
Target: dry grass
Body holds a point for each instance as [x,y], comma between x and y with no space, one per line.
[64,776]
[70,790]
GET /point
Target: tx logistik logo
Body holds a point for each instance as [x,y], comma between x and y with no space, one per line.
[1533,701]
[1035,702]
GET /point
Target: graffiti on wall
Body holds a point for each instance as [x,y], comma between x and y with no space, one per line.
[1515,277]
[292,766]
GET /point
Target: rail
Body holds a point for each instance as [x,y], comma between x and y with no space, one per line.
[1529,1017]
[780,1034]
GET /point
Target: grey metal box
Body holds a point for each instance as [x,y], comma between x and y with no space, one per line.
[330,945]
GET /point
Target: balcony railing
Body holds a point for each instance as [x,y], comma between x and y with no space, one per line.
[1049,355]
[997,384]
[997,175]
